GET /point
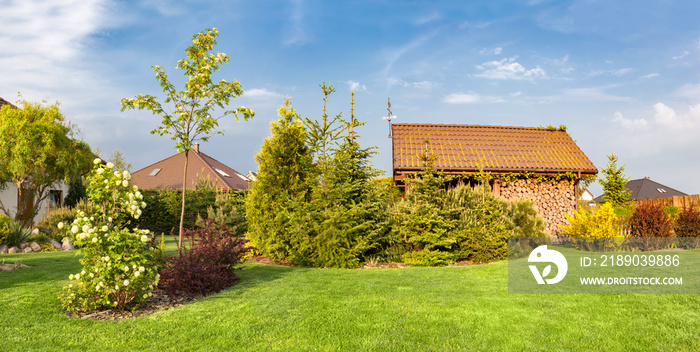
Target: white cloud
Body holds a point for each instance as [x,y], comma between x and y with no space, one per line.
[261,93]
[491,51]
[48,30]
[616,72]
[684,54]
[689,91]
[651,75]
[508,68]
[470,98]
[431,17]
[590,94]
[401,83]
[474,25]
[393,55]
[356,86]
[662,129]
[296,32]
[629,123]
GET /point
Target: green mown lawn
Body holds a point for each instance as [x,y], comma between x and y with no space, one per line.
[297,309]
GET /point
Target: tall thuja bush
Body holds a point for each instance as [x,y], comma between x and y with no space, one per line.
[118,263]
[285,172]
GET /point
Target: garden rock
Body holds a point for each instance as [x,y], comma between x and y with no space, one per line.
[13,250]
[23,245]
[27,250]
[3,249]
[35,247]
[55,244]
[67,245]
[35,232]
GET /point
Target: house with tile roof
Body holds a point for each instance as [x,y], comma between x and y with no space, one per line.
[167,173]
[645,188]
[539,164]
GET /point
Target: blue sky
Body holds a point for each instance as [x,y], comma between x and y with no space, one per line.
[623,76]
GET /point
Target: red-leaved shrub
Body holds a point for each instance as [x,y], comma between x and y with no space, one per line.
[688,223]
[207,266]
[650,220]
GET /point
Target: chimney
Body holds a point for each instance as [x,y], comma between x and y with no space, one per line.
[195,147]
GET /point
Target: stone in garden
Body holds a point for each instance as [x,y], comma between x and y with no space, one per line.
[23,245]
[13,250]
[3,249]
[35,247]
[35,232]
[67,245]
[55,244]
[27,250]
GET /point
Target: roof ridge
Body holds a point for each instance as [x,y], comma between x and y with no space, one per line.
[467,125]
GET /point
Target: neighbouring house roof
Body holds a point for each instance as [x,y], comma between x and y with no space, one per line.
[5,102]
[645,188]
[167,173]
[500,149]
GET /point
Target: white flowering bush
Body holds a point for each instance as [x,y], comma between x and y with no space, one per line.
[119,264]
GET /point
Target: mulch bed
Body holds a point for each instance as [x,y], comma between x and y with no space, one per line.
[158,302]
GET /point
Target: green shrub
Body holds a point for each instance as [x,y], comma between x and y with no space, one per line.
[427,257]
[526,221]
[52,217]
[650,220]
[4,232]
[17,234]
[5,222]
[229,210]
[672,211]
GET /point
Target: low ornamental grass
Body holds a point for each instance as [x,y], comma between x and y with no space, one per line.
[278,308]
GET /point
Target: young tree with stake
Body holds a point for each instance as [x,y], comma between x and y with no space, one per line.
[192,108]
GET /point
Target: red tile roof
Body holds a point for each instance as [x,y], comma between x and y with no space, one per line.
[467,148]
[199,165]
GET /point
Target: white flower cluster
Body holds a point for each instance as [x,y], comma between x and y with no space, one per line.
[135,202]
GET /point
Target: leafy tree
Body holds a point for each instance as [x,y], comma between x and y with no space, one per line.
[614,183]
[192,108]
[119,160]
[38,148]
[284,173]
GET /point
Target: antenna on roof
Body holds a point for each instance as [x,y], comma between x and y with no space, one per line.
[389,117]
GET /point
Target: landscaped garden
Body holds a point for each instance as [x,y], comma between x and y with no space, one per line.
[403,309]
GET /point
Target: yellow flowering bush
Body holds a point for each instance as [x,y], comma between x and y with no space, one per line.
[601,223]
[119,264]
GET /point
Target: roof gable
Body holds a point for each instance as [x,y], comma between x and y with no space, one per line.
[200,165]
[470,148]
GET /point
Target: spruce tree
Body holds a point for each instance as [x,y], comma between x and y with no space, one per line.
[614,182]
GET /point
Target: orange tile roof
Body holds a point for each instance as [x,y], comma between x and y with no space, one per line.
[467,148]
[199,165]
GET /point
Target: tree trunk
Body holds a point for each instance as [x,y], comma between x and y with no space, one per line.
[184,188]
